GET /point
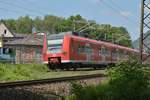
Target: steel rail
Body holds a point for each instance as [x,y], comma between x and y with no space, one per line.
[46,81]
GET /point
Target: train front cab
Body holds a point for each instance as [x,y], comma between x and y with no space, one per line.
[57,51]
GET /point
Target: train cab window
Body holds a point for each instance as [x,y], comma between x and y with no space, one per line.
[55,46]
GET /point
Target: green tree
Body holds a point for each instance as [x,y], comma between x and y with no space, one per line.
[11,24]
[38,24]
[51,23]
[24,25]
[87,28]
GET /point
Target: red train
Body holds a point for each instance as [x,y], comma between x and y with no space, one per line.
[67,50]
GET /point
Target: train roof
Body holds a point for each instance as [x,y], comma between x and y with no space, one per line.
[60,35]
[55,36]
[75,35]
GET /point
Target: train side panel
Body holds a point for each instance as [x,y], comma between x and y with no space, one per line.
[87,52]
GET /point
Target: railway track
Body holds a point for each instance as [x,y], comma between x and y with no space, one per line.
[46,81]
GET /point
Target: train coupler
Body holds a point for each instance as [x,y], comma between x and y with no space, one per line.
[54,63]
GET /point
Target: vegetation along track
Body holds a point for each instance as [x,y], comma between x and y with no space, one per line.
[51,80]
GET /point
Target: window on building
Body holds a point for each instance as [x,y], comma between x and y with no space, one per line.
[0,50]
[37,53]
[5,50]
[5,31]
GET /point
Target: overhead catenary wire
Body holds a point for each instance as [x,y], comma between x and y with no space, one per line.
[87,25]
[28,2]
[31,11]
[118,7]
[9,10]
[117,11]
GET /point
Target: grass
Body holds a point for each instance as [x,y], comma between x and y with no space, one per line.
[19,72]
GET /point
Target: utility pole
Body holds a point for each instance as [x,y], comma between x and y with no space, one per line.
[144,27]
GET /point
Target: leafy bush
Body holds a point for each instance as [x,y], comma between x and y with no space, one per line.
[89,92]
[83,93]
[126,81]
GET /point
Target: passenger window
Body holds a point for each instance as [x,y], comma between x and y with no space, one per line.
[81,49]
[105,51]
[121,53]
[99,51]
[115,53]
[125,52]
[89,50]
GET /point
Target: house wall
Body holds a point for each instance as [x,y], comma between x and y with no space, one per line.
[1,42]
[4,31]
[28,54]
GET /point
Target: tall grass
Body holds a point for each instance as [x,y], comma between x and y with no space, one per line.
[17,72]
[12,72]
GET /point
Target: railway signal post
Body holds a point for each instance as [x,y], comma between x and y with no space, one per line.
[144,28]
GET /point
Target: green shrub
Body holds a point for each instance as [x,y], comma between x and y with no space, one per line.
[126,81]
[89,92]
[81,92]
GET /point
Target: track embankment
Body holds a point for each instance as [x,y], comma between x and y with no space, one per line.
[57,87]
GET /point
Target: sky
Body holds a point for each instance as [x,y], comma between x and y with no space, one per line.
[124,13]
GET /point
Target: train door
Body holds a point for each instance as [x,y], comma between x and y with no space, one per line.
[117,53]
[114,55]
[103,54]
[103,58]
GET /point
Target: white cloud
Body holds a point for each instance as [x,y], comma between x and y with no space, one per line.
[94,1]
[125,13]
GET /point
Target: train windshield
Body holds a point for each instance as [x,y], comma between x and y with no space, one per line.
[54,46]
